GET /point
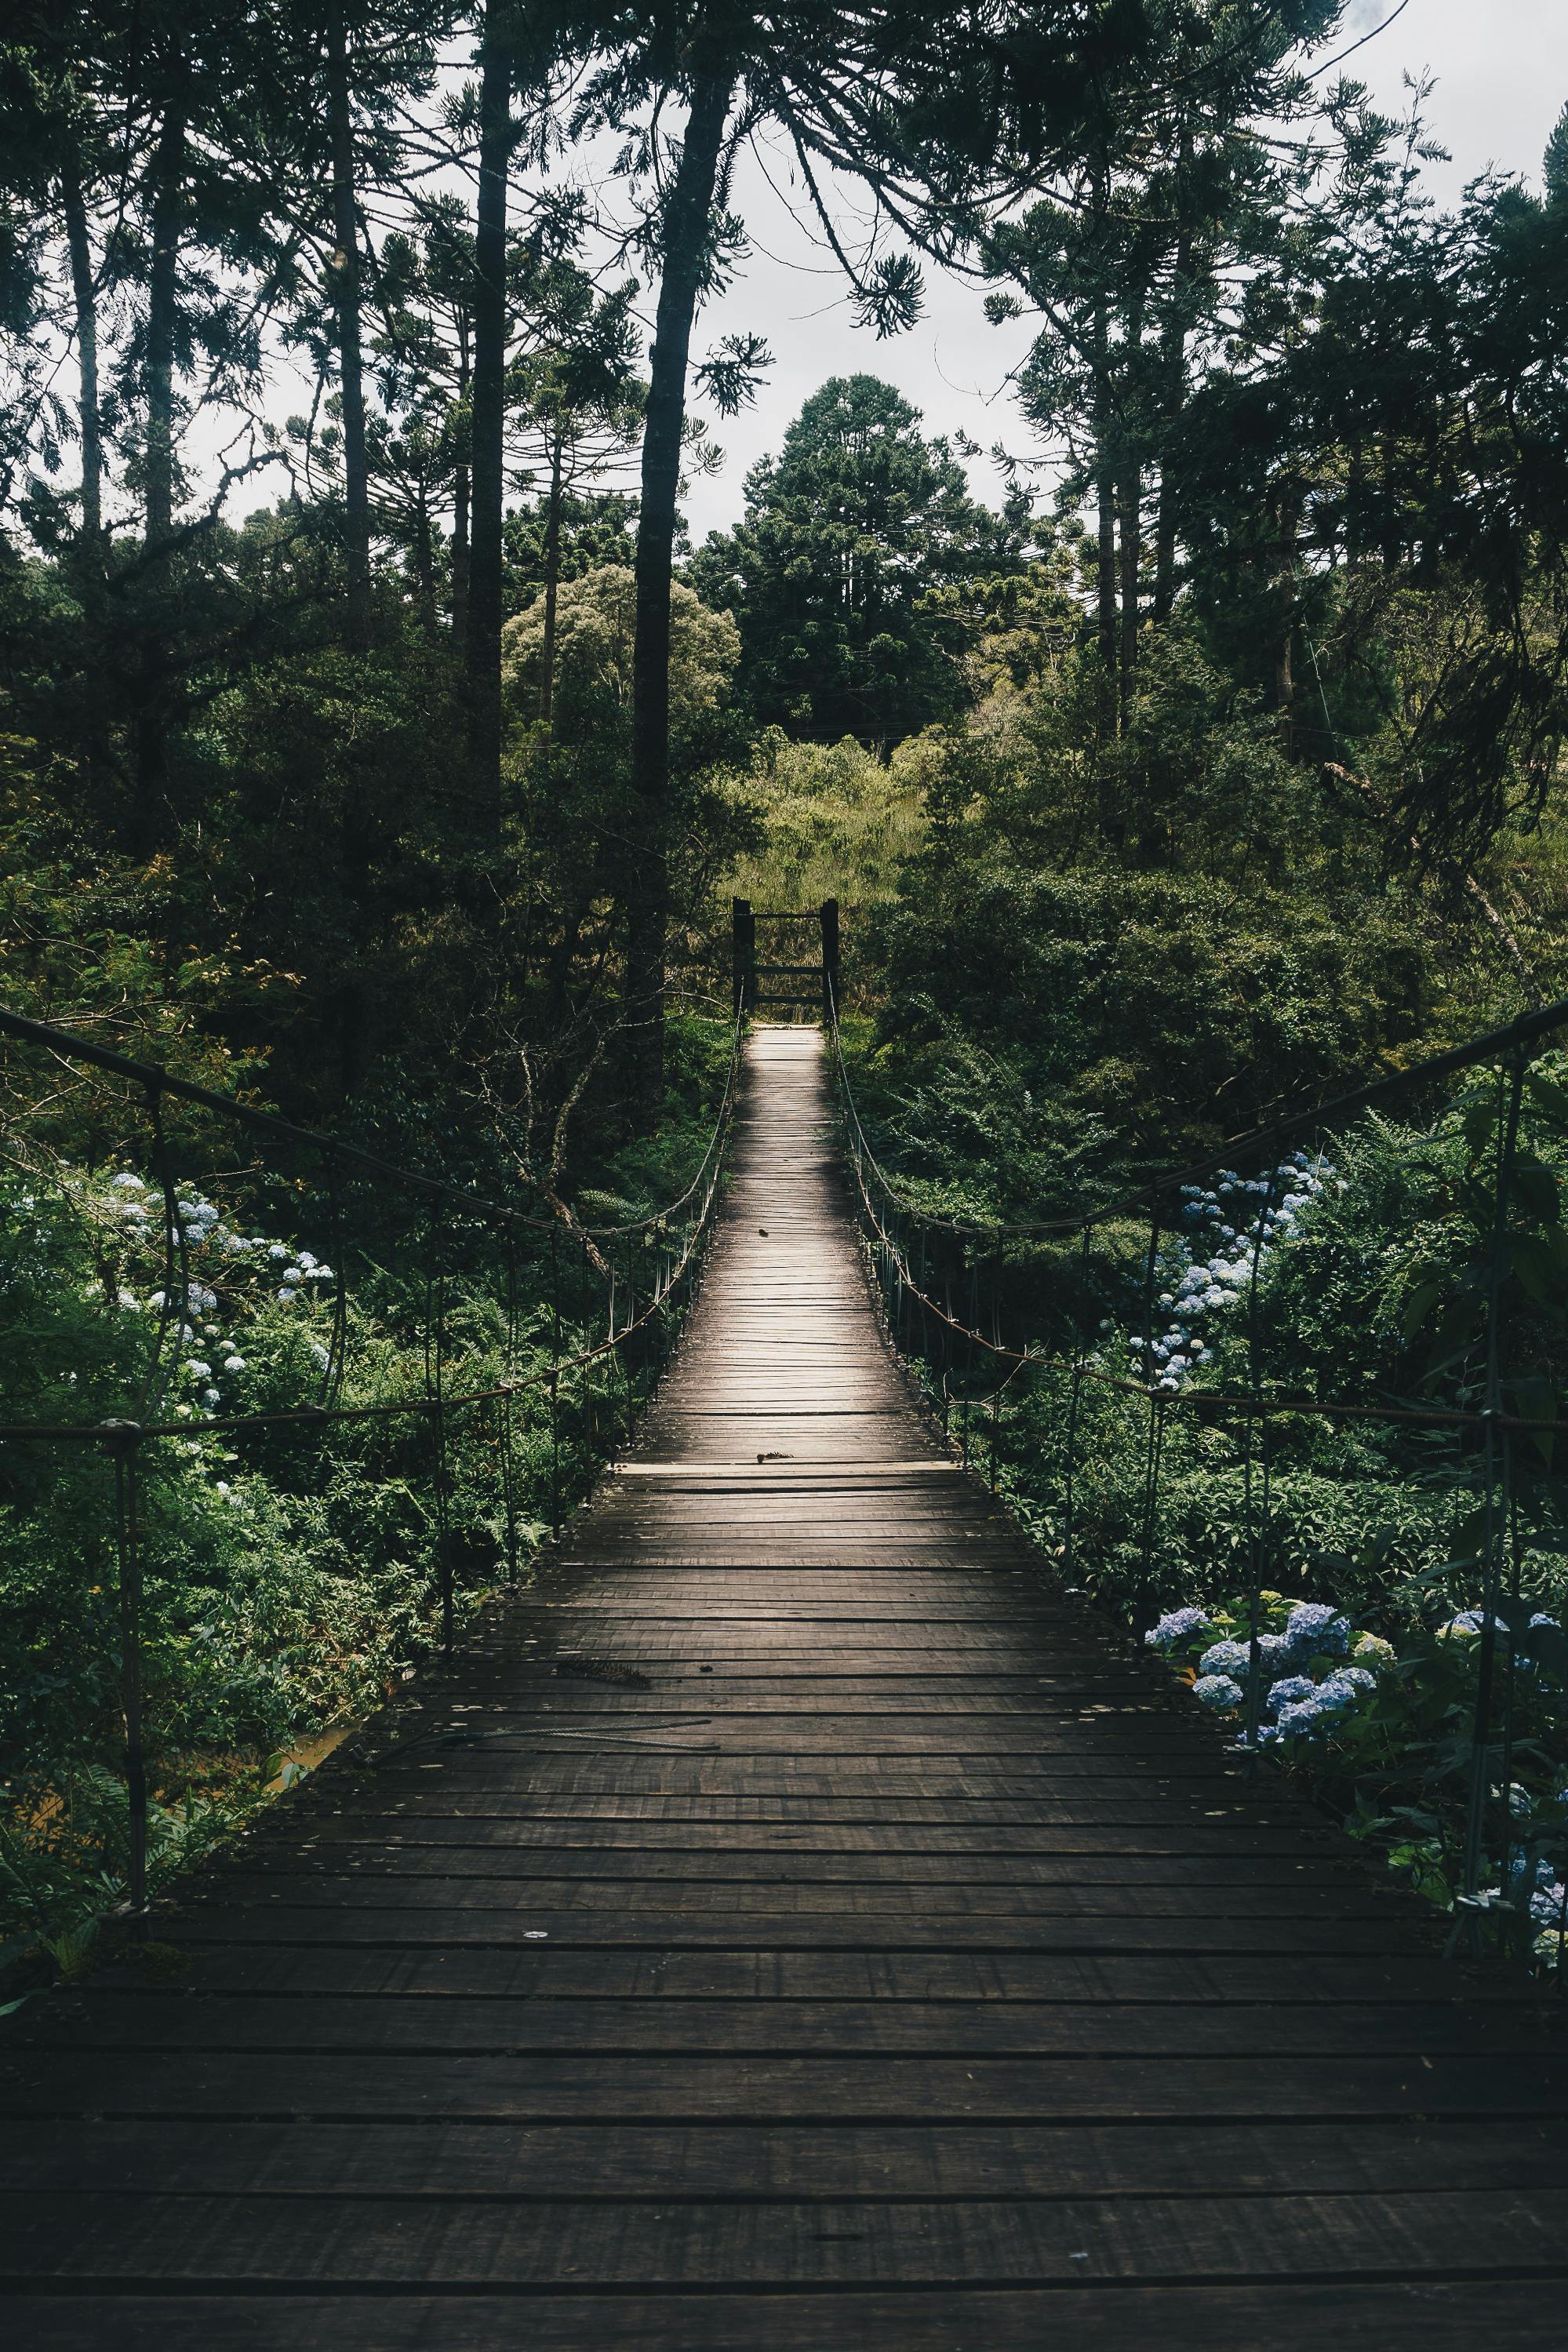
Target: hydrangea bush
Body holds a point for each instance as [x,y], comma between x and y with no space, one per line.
[289,1571]
[1227,1230]
[1366,1721]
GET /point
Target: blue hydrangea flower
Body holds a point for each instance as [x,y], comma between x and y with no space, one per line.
[1288,1690]
[1315,1629]
[1542,1872]
[1226,1657]
[1175,1626]
[1217,1691]
[1302,1716]
[1337,1692]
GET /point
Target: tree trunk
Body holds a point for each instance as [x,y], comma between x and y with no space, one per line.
[1132,529]
[1105,573]
[1173,371]
[169,173]
[552,579]
[460,507]
[424,563]
[1284,666]
[687,214]
[84,295]
[489,414]
[1173,386]
[346,298]
[1393,549]
[1130,500]
[151,765]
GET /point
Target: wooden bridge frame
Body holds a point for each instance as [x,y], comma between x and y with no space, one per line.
[818,986]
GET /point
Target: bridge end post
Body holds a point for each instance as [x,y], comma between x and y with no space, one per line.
[830,920]
[743,956]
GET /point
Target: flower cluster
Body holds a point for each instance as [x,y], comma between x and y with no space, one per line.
[1177,1625]
[1227,1228]
[1536,1884]
[208,1353]
[1305,1686]
[1470,1624]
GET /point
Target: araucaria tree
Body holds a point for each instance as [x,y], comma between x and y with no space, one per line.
[838,574]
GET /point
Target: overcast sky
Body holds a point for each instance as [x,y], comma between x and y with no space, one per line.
[1501,69]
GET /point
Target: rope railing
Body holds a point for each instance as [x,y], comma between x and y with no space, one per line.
[611,1298]
[1004,1322]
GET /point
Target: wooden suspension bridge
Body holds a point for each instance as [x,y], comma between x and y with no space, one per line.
[791,1923]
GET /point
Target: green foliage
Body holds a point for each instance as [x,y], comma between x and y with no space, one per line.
[837,575]
[836,822]
[595,625]
[290,1572]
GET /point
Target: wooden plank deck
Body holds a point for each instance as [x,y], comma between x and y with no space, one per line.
[792,1924]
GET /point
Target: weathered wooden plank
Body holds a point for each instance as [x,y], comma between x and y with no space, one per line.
[441,2160]
[907,1929]
[577,2086]
[212,2241]
[1371,2315]
[503,2027]
[1201,1873]
[551,1970]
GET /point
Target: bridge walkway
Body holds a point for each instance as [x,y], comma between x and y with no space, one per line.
[790,1924]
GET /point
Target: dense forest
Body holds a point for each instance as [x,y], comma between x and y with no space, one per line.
[380,749]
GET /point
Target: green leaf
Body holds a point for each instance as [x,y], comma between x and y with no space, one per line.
[1549,1647]
[1535,1189]
[1535,1268]
[1547,1095]
[1479,1124]
[1418,1306]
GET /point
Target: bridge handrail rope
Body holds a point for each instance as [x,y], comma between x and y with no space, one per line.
[1312,1119]
[631,1307]
[159,1081]
[901,1236]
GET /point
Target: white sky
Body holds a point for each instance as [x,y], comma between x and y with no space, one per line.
[1503,81]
